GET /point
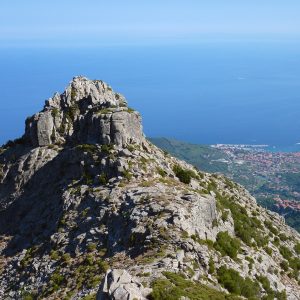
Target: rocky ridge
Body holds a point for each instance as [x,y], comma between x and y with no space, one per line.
[90,209]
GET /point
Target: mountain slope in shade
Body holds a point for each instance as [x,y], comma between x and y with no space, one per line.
[89,209]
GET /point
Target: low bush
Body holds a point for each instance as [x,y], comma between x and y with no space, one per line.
[127,174]
[90,148]
[246,228]
[227,245]
[235,284]
[176,286]
[285,252]
[184,175]
[107,148]
[161,172]
[103,179]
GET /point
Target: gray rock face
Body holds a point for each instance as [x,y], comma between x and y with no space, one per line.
[87,112]
[120,285]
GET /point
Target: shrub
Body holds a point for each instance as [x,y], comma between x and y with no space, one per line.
[90,148]
[268,250]
[107,148]
[227,245]
[90,297]
[297,248]
[269,225]
[56,281]
[130,110]
[161,172]
[54,112]
[103,179]
[27,296]
[283,237]
[284,265]
[103,111]
[225,215]
[176,286]
[234,283]
[285,252]
[66,257]
[126,174]
[212,186]
[183,175]
[211,266]
[71,112]
[54,255]
[207,242]
[246,228]
[91,247]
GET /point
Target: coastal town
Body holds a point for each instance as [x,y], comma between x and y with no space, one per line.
[266,174]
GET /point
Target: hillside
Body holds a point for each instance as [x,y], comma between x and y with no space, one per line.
[273,178]
[90,209]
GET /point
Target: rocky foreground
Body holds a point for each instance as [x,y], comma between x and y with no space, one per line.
[89,209]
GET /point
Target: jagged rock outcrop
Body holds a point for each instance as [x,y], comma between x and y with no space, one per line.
[120,285]
[87,112]
[83,191]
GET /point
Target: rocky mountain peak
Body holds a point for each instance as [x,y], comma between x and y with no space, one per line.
[88,111]
[90,209]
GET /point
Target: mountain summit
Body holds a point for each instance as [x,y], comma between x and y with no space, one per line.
[90,209]
[87,112]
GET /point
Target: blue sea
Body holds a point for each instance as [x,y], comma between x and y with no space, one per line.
[214,92]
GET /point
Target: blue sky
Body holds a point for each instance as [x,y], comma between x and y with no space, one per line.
[77,22]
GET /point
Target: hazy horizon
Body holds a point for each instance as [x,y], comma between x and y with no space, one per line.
[203,72]
[73,24]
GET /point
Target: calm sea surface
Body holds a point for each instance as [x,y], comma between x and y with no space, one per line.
[209,93]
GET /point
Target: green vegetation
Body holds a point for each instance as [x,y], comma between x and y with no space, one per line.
[285,252]
[90,297]
[176,286]
[130,110]
[203,157]
[71,112]
[161,172]
[291,261]
[131,148]
[127,175]
[207,242]
[54,255]
[26,261]
[87,177]
[28,296]
[91,247]
[104,111]
[246,228]
[90,148]
[235,284]
[184,175]
[73,94]
[89,273]
[211,266]
[54,112]
[272,229]
[227,245]
[66,257]
[270,293]
[107,148]
[56,282]
[103,179]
